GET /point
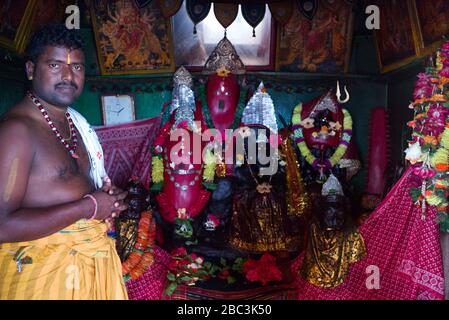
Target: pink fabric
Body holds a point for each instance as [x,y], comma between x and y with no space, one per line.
[405,248]
[150,285]
[127,150]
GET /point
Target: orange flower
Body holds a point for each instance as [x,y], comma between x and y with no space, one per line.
[442,167]
[420,101]
[429,193]
[443,82]
[438,98]
[431,140]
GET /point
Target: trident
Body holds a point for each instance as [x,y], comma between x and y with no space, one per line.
[338,94]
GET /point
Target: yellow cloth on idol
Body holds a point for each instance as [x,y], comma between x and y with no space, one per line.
[79,262]
[329,255]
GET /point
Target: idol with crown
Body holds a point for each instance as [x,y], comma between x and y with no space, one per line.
[221,103]
[177,168]
[334,242]
[322,131]
[260,221]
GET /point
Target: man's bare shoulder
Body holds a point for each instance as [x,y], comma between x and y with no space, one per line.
[17,127]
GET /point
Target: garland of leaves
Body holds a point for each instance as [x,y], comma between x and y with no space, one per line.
[428,150]
[304,149]
[206,112]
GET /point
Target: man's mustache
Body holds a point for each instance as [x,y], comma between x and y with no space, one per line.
[67,85]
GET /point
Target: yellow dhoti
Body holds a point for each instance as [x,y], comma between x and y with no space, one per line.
[79,262]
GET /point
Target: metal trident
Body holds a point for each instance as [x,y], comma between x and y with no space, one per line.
[338,94]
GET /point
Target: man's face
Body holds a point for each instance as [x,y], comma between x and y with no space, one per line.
[58,75]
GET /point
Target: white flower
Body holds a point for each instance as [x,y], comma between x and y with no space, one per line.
[307,123]
[193,266]
[413,153]
[199,260]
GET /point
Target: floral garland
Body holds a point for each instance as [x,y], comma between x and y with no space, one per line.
[428,150]
[157,173]
[238,112]
[141,256]
[304,149]
[210,162]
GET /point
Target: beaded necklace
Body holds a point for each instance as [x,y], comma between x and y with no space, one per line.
[70,148]
[181,172]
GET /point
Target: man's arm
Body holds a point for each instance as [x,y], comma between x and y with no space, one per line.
[25,224]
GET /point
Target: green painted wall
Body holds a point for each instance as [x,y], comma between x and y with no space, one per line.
[147,105]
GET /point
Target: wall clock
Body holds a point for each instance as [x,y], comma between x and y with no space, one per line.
[117,109]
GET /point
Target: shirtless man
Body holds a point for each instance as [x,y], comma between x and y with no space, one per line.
[45,189]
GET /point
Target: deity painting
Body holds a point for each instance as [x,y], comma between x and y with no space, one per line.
[15,21]
[396,41]
[132,40]
[433,19]
[322,44]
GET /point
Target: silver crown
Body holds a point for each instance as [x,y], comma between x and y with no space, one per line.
[224,55]
[182,76]
[327,102]
[260,110]
[332,187]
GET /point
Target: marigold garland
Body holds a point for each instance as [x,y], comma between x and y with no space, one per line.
[210,163]
[304,149]
[429,148]
[157,169]
[141,256]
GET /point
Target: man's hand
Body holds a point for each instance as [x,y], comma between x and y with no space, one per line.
[109,188]
[109,206]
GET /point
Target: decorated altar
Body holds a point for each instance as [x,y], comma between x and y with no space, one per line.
[270,149]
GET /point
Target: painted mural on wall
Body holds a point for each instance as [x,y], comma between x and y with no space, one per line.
[396,41]
[322,44]
[433,22]
[15,23]
[131,40]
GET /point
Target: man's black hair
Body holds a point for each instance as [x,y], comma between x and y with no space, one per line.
[53,35]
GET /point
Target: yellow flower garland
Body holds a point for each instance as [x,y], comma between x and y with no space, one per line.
[157,171]
[209,166]
[304,149]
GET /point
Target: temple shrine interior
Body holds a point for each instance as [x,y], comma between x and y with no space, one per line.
[270,149]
